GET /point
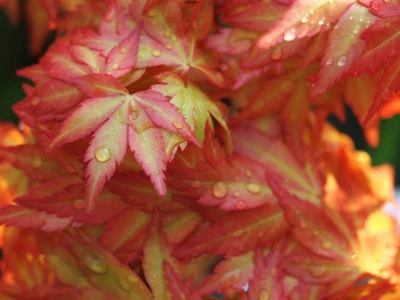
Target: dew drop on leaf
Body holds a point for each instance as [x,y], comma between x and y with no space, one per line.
[79,204]
[195,184]
[248,173]
[95,264]
[156,52]
[240,204]
[375,5]
[342,61]
[122,50]
[317,271]
[115,66]
[35,101]
[329,61]
[102,154]
[277,54]
[168,46]
[321,22]
[177,125]
[220,189]
[304,20]
[290,35]
[253,188]
[326,245]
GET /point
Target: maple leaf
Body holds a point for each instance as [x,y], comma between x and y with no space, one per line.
[21,217]
[237,232]
[229,276]
[157,253]
[304,18]
[102,269]
[168,41]
[119,119]
[192,102]
[225,184]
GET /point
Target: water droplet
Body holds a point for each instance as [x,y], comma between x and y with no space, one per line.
[302,224]
[115,66]
[290,35]
[240,204]
[195,184]
[287,86]
[156,52]
[70,169]
[341,61]
[329,61]
[326,245]
[263,296]
[79,204]
[311,12]
[35,101]
[95,264]
[248,173]
[354,256]
[321,22]
[304,19]
[387,25]
[122,50]
[177,125]
[317,271]
[277,54]
[375,5]
[220,189]
[168,46]
[236,194]
[253,188]
[102,154]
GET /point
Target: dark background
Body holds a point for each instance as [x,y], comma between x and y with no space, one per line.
[14,55]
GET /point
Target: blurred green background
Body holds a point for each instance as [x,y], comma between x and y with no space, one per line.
[14,55]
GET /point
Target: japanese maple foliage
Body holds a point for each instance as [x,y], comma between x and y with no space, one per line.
[181,150]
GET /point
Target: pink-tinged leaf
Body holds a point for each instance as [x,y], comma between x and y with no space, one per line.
[237,232]
[388,86]
[156,252]
[310,225]
[382,46]
[53,97]
[177,287]
[107,150]
[124,227]
[258,16]
[103,270]
[268,277]
[304,18]
[66,293]
[79,124]
[315,48]
[138,191]
[88,57]
[229,276]
[36,73]
[317,269]
[59,63]
[33,161]
[301,179]
[123,57]
[100,85]
[234,184]
[149,151]
[343,48]
[260,58]
[178,225]
[213,150]
[64,198]
[23,218]
[382,8]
